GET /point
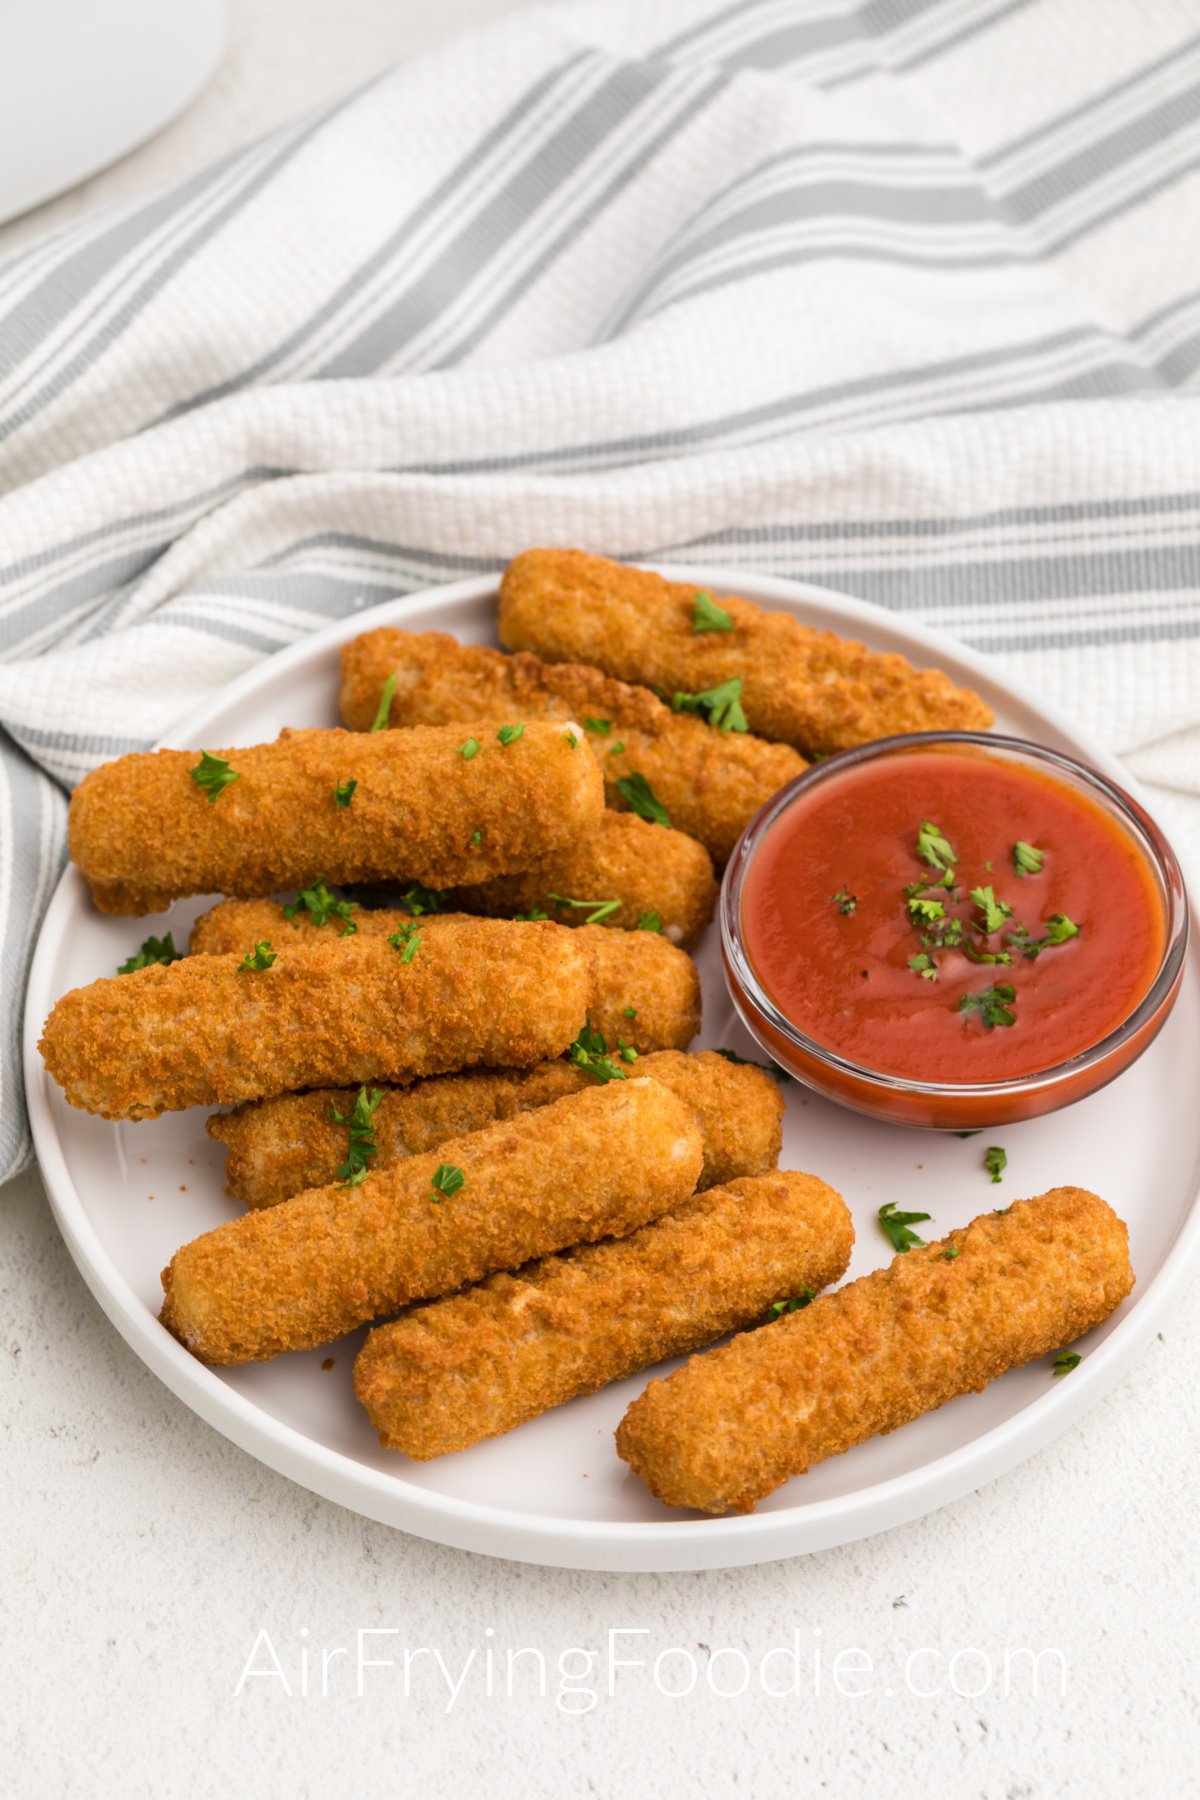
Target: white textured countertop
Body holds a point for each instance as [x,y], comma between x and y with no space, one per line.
[142,1555]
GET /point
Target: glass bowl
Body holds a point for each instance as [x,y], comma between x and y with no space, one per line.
[957,1106]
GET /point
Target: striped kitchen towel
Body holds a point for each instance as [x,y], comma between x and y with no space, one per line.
[899,296]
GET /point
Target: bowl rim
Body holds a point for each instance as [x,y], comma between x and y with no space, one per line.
[748,992]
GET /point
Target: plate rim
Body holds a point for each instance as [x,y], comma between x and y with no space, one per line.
[667,1546]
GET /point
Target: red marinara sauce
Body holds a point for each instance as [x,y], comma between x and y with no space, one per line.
[827,925]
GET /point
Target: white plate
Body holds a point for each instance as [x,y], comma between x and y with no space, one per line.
[554,1491]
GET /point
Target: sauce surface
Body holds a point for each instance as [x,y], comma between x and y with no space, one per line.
[841,972]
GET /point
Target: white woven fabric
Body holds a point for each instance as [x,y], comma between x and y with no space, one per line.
[898,297]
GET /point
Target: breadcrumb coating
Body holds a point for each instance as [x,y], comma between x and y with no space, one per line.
[207,1031]
[143,832]
[808,688]
[654,872]
[634,973]
[481,1362]
[279,1147]
[731,1426]
[711,782]
[591,1165]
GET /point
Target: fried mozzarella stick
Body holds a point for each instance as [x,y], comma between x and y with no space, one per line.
[660,879]
[729,1427]
[476,1364]
[332,805]
[589,1166]
[799,686]
[211,1029]
[643,990]
[279,1147]
[710,782]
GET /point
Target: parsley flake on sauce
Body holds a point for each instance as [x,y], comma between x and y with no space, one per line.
[894,1226]
[994,911]
[213,775]
[1027,858]
[154,950]
[845,902]
[707,615]
[924,966]
[993,1005]
[383,711]
[933,847]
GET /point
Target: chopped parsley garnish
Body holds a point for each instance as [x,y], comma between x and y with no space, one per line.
[383,711]
[447,1179]
[361,1120]
[617,748]
[995,1161]
[925,912]
[407,941]
[601,909]
[994,911]
[263,957]
[469,749]
[895,1226]
[1065,1361]
[924,966]
[628,1053]
[508,734]
[603,726]
[967,1134]
[322,906]
[747,1062]
[476,839]
[590,1053]
[993,1005]
[948,1255]
[154,950]
[946,935]
[530,918]
[213,775]
[721,706]
[630,1012]
[343,793]
[804,1298]
[933,847]
[1000,1212]
[986,956]
[420,899]
[641,799]
[1059,930]
[708,616]
[650,921]
[1027,859]
[845,902]
[570,738]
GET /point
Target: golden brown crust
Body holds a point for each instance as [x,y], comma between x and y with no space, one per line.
[294,1276]
[648,868]
[729,1427]
[481,1362]
[278,1147]
[711,782]
[808,688]
[629,969]
[206,1031]
[143,833]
